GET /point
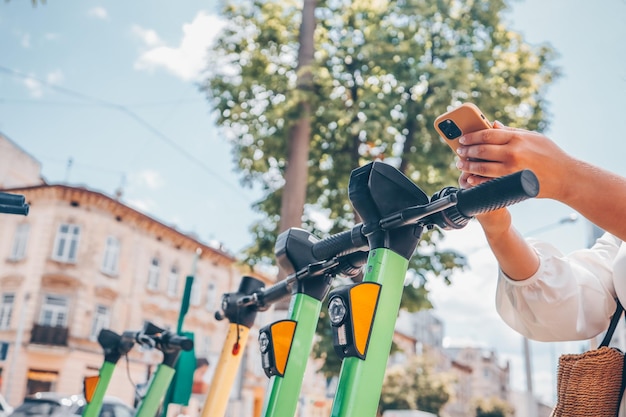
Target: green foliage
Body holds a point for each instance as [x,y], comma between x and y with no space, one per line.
[414,385]
[493,407]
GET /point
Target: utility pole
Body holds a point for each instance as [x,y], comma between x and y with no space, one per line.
[530,396]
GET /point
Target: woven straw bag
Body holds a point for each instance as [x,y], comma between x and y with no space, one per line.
[592,383]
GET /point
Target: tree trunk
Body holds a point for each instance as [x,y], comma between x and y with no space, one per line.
[296,172]
[297,169]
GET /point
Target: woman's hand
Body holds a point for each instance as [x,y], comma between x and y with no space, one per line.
[492,153]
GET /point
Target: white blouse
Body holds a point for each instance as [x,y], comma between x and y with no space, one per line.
[570,297]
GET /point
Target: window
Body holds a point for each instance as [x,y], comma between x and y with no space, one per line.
[111,256]
[6,310]
[18,251]
[54,311]
[211,295]
[101,320]
[172,282]
[66,243]
[153,274]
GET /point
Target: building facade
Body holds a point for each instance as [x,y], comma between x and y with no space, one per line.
[81,261]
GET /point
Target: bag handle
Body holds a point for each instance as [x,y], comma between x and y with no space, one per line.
[607,339]
[614,320]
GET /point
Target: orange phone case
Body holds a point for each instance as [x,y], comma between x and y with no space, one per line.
[464,119]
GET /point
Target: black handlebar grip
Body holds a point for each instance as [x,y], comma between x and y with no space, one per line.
[12,199]
[339,244]
[276,292]
[9,209]
[183,342]
[497,193]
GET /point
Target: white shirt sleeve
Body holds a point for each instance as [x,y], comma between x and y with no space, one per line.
[570,297]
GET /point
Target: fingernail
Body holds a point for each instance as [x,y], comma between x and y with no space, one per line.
[497,124]
[471,180]
[459,164]
[461,150]
[462,139]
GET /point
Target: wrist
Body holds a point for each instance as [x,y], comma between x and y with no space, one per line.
[495,223]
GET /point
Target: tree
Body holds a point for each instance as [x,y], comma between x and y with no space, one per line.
[414,385]
[382,71]
[493,407]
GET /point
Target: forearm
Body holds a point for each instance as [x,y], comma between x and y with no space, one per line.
[515,256]
[598,195]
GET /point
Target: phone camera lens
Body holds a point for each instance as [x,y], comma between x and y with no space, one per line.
[450,129]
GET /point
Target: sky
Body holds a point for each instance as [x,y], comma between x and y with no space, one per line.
[105,95]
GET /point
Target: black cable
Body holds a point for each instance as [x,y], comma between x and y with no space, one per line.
[124,109]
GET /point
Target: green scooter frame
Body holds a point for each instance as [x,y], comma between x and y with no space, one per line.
[360,380]
[94,388]
[286,345]
[375,192]
[284,390]
[170,344]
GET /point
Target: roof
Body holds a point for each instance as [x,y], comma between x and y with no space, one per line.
[84,196]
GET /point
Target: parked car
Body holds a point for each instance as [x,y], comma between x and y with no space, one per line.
[52,404]
[407,413]
[5,408]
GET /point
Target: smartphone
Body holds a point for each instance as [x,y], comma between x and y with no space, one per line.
[464,119]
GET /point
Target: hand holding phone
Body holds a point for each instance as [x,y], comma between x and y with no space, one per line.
[466,118]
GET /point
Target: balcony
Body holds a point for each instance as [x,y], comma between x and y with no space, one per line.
[49,335]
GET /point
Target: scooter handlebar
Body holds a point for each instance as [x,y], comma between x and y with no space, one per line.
[498,193]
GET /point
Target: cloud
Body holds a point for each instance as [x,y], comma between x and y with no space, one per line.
[187,60]
[147,36]
[98,13]
[51,36]
[55,77]
[25,40]
[36,88]
[148,178]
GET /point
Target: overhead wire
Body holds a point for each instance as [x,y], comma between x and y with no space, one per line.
[131,114]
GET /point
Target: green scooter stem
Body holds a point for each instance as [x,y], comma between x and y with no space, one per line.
[156,392]
[93,407]
[283,392]
[360,381]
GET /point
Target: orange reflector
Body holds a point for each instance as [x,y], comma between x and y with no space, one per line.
[282,336]
[363,300]
[89,386]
